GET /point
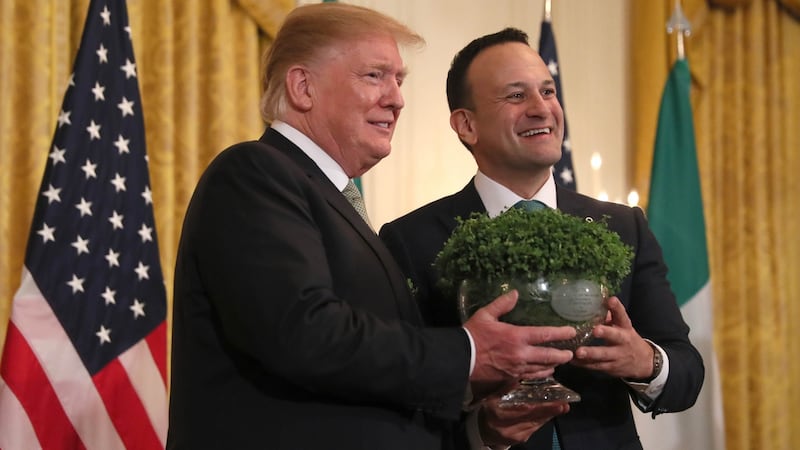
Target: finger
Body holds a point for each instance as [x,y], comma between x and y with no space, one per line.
[595,354]
[505,415]
[592,365]
[502,304]
[504,425]
[541,335]
[618,313]
[529,374]
[612,335]
[537,359]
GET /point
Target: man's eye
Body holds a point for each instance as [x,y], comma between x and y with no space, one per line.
[548,92]
[376,75]
[516,96]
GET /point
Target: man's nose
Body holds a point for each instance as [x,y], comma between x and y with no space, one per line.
[536,106]
[393,97]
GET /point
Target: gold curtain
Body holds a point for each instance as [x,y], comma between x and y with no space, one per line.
[198,64]
[745,61]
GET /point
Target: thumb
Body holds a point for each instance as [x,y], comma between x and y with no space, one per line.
[502,305]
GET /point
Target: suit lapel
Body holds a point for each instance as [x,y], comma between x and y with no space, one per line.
[575,204]
[463,204]
[318,178]
[337,201]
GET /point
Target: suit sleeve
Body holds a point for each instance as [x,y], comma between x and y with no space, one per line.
[655,314]
[299,295]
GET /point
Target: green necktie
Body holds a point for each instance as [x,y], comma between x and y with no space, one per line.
[353,195]
[556,443]
[529,205]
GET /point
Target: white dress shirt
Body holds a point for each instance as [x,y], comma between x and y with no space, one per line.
[323,160]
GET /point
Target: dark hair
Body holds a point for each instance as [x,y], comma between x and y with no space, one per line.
[458,92]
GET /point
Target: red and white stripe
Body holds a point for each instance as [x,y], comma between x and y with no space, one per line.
[48,400]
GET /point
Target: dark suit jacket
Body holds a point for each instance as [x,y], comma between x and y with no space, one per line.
[293,326]
[603,418]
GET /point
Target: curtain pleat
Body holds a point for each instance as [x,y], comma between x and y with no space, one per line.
[745,62]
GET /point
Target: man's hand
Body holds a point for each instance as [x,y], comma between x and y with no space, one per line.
[510,425]
[507,352]
[625,354]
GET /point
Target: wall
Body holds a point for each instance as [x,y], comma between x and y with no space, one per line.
[428,162]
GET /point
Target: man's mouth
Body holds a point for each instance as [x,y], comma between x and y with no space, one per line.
[536,131]
[382,124]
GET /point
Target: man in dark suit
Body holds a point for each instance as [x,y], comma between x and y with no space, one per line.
[505,111]
[293,326]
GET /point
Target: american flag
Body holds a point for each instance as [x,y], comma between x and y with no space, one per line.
[84,362]
[564,173]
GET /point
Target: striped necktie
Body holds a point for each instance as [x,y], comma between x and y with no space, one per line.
[353,195]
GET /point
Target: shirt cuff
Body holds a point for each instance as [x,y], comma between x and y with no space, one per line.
[474,434]
[467,403]
[648,392]
[471,351]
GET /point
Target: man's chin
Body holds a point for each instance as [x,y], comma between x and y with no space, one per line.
[381,152]
[374,157]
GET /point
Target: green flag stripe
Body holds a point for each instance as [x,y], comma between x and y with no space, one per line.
[675,208]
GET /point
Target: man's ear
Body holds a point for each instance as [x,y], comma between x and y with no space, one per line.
[298,88]
[462,122]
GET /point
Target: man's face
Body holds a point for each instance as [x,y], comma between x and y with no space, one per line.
[515,126]
[356,101]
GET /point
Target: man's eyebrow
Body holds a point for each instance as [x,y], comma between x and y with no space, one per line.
[523,84]
[387,67]
[517,85]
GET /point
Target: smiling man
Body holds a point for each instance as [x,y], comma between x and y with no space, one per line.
[293,326]
[504,109]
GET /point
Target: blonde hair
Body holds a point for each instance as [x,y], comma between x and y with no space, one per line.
[309,30]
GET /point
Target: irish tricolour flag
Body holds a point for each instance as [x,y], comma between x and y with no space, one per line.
[675,212]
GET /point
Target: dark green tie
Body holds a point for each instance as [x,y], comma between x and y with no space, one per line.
[529,205]
[556,443]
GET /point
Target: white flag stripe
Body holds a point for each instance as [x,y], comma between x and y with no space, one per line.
[148,384]
[16,430]
[672,431]
[699,315]
[68,376]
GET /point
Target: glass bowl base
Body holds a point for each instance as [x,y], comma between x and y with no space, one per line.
[539,391]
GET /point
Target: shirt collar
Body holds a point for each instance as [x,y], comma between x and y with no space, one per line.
[323,160]
[498,198]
